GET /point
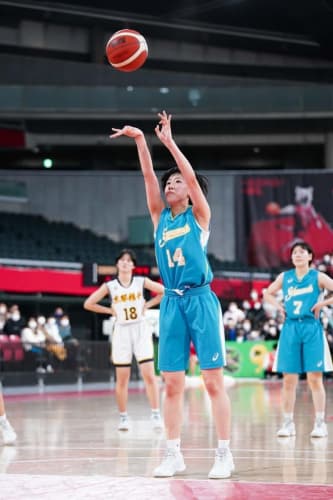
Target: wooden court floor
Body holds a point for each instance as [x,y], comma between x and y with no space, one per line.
[69,447]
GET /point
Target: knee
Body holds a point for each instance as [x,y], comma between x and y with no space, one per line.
[289,384]
[214,387]
[172,390]
[315,382]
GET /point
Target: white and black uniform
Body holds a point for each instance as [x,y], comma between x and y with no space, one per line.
[131,334]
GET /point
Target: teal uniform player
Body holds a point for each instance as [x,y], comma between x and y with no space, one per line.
[189,309]
[302,346]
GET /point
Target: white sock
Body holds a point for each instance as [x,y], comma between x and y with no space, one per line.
[173,444]
[320,415]
[3,418]
[288,416]
[223,444]
[123,413]
[155,411]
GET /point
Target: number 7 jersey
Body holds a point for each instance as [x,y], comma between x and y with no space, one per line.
[127,301]
[300,295]
[181,251]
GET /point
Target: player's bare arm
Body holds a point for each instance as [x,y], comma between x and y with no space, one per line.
[201,209]
[154,199]
[325,283]
[92,302]
[269,294]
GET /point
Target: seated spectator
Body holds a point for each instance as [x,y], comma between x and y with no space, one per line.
[3,310]
[34,341]
[72,344]
[233,312]
[65,329]
[2,322]
[230,329]
[14,322]
[54,342]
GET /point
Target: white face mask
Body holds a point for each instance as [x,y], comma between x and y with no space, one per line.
[16,316]
[64,322]
[32,324]
[3,310]
[247,326]
[41,320]
[232,308]
[51,321]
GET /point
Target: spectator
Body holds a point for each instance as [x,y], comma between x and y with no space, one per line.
[233,312]
[54,342]
[14,322]
[231,329]
[34,340]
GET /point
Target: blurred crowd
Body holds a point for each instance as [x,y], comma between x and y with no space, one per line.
[48,340]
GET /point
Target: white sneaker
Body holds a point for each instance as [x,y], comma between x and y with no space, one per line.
[319,429]
[223,465]
[123,423]
[172,463]
[287,429]
[8,433]
[156,421]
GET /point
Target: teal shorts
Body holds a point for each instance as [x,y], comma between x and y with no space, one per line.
[195,315]
[302,347]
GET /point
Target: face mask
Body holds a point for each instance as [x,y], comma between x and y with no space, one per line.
[32,324]
[246,305]
[64,322]
[51,321]
[233,308]
[257,305]
[247,327]
[3,310]
[16,316]
[254,295]
[41,320]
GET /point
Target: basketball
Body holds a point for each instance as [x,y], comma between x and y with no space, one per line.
[127,50]
[273,208]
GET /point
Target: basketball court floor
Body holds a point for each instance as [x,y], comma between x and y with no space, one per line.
[69,447]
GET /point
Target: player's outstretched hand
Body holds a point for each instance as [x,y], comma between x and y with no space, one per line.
[128,131]
[163,129]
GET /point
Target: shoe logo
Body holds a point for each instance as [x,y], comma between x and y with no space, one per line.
[216,356]
[319,364]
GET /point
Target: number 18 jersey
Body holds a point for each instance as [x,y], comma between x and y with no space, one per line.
[127,301]
[181,251]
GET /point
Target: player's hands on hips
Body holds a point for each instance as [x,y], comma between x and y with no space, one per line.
[316,309]
[128,131]
[163,129]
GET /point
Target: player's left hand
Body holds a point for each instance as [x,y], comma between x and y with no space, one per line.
[163,129]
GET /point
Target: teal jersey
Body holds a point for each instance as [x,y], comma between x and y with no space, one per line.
[181,251]
[300,295]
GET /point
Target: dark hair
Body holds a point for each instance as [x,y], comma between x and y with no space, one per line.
[125,251]
[305,246]
[202,180]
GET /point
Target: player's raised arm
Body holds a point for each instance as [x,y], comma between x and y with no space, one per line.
[201,209]
[153,194]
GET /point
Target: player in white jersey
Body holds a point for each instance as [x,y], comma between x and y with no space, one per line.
[302,346]
[131,335]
